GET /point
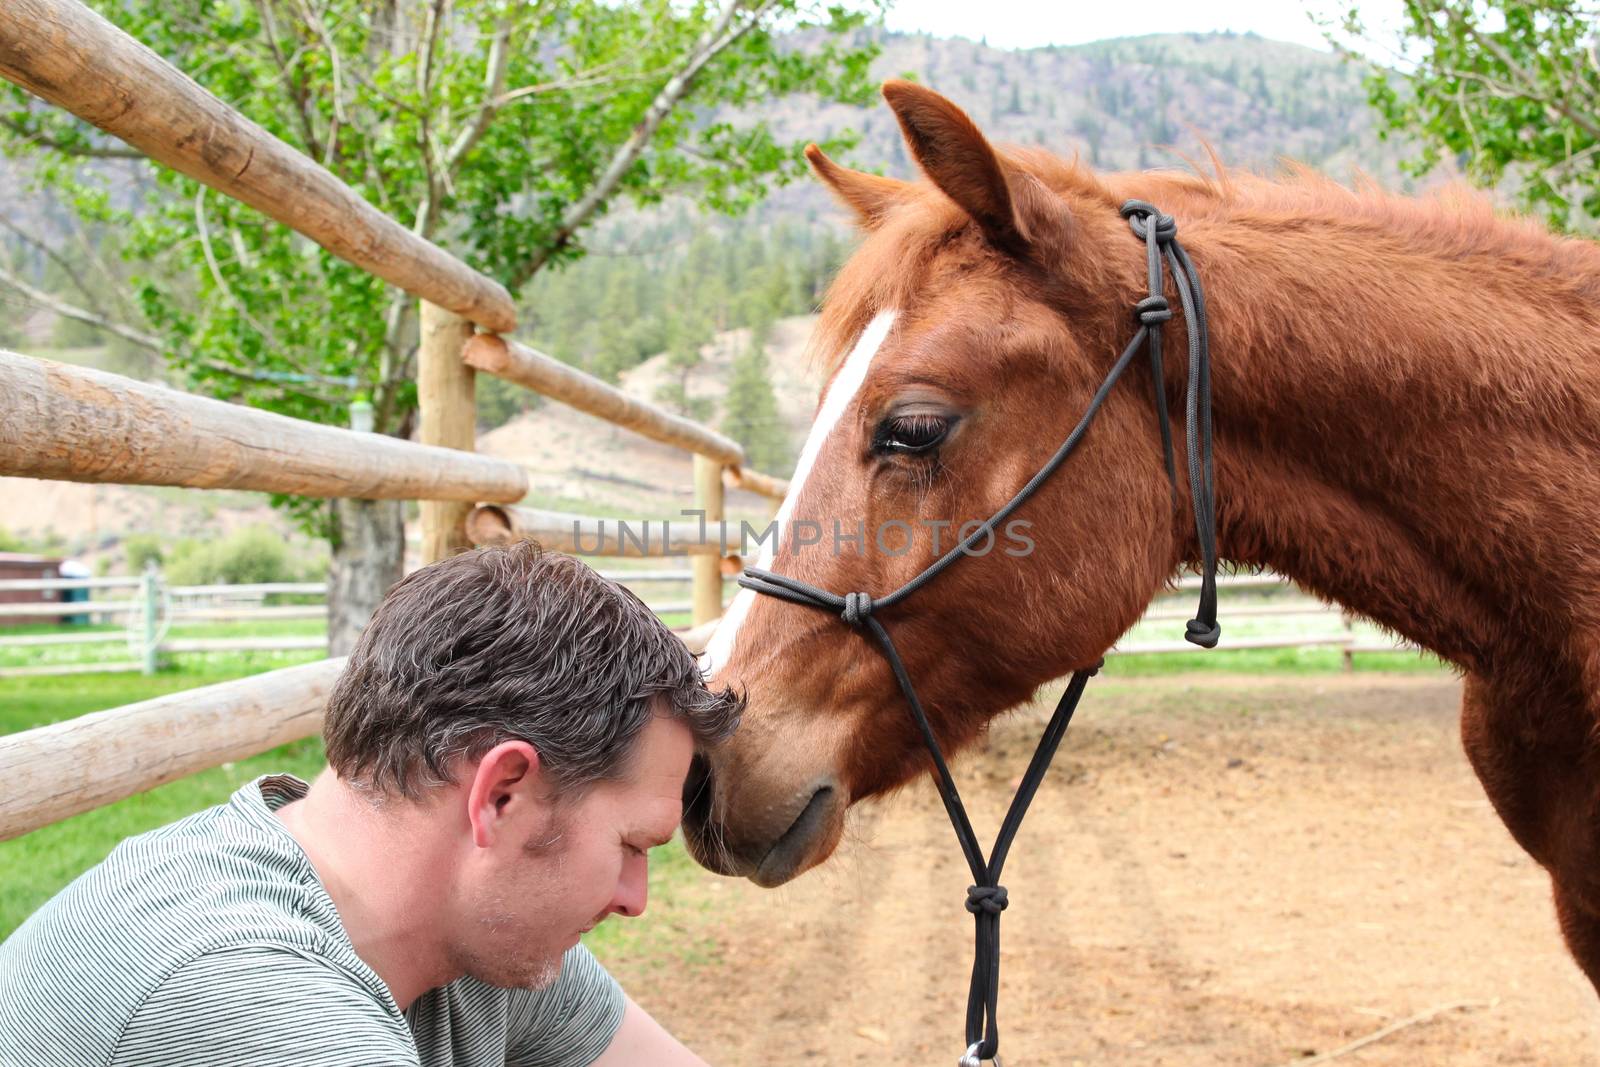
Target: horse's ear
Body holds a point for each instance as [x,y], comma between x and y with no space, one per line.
[870,196]
[958,158]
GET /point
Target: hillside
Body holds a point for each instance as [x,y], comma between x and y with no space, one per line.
[579,463]
[575,463]
[1126,103]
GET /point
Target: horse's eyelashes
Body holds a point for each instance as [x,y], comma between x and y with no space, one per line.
[911,434]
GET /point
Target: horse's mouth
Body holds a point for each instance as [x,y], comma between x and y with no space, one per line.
[809,839]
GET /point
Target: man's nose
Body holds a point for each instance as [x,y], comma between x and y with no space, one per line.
[633,887]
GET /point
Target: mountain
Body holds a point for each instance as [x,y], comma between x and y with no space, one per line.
[1121,104]
[1115,101]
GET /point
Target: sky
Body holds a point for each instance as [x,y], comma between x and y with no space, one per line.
[1035,23]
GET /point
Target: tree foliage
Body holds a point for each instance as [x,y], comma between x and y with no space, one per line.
[1510,89]
[680,279]
[750,413]
[249,555]
[497,128]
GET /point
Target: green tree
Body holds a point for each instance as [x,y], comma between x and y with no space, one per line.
[750,412]
[499,401]
[252,554]
[688,331]
[142,549]
[1509,89]
[497,128]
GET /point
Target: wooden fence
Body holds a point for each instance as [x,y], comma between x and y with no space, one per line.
[73,424]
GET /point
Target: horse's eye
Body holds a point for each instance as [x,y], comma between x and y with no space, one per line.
[911,434]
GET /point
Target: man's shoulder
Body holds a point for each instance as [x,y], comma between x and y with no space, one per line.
[264,1004]
[212,879]
[224,878]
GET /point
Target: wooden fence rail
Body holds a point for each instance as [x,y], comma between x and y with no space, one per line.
[40,585]
[583,535]
[114,667]
[44,640]
[774,489]
[248,613]
[67,54]
[74,766]
[548,376]
[79,425]
[57,608]
[250,589]
[244,644]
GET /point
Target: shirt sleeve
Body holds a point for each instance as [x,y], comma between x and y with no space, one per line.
[570,1022]
[257,1005]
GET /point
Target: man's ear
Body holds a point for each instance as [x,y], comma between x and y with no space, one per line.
[870,196]
[952,152]
[505,781]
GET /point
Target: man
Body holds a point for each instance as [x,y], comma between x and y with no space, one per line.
[508,740]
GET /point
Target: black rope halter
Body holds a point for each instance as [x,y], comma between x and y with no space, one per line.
[986,898]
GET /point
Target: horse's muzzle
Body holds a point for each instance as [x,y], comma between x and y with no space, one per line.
[769,843]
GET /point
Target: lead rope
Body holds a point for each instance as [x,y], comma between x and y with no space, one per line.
[987,898]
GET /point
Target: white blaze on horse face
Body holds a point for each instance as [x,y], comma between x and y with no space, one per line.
[841,391]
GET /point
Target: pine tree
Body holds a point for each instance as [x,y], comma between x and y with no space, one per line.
[688,332]
[750,413]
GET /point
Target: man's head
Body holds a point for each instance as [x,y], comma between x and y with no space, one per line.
[535,722]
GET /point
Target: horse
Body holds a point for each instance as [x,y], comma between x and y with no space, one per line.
[1406,420]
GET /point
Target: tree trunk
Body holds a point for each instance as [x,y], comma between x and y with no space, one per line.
[368,557]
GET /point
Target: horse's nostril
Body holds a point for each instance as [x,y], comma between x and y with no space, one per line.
[697,792]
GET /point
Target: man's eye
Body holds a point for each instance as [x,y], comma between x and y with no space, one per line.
[911,434]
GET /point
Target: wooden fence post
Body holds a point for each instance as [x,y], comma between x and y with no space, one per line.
[707,570]
[447,399]
[149,617]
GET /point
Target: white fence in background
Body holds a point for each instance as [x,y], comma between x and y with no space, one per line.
[1258,611]
[147,608]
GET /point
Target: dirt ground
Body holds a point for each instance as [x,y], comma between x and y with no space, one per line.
[1219,871]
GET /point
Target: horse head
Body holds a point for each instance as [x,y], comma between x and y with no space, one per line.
[964,339]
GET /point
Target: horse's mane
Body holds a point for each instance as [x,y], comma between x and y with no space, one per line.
[1453,221]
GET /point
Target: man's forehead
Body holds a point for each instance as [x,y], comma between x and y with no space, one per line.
[662,751]
[656,768]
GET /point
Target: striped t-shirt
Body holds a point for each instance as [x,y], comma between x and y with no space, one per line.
[212,941]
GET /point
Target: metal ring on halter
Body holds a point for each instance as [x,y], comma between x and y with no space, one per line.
[970,1058]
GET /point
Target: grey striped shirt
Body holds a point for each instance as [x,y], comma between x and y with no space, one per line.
[211,941]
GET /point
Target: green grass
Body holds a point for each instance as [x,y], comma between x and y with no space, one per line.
[677,888]
[1269,661]
[202,662]
[39,864]
[29,702]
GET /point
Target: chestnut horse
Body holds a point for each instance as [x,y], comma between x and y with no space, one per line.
[1406,418]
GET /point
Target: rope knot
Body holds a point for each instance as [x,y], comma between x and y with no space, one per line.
[1204,634]
[1140,212]
[986,898]
[857,606]
[1153,310]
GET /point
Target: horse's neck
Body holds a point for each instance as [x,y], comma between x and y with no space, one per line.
[1406,435]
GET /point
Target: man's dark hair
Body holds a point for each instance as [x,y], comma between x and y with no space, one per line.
[505,644]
